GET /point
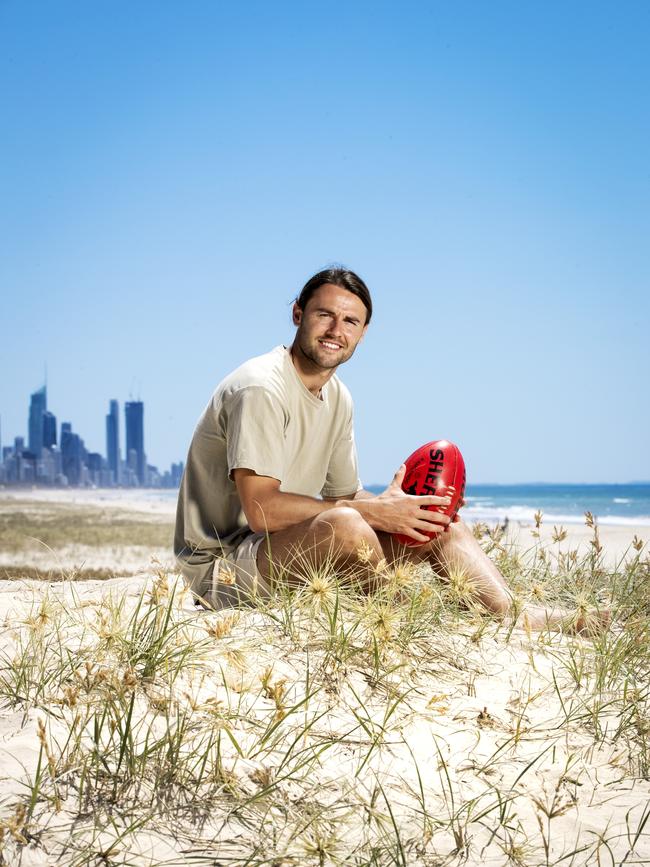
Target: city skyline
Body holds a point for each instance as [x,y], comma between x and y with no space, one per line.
[65,461]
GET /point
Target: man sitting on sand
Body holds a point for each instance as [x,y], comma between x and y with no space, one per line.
[271,477]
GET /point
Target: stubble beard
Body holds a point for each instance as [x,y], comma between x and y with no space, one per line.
[321,361]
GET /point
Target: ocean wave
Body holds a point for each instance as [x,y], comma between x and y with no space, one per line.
[621,500]
[526,514]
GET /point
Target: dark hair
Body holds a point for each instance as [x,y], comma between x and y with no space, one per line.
[341,277]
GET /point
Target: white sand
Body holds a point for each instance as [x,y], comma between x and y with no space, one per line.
[147,502]
[481,721]
[616,540]
[484,720]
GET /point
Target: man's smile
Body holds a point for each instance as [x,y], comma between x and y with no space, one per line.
[330,344]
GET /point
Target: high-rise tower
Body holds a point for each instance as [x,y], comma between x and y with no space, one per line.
[49,429]
[113,440]
[37,410]
[72,454]
[134,415]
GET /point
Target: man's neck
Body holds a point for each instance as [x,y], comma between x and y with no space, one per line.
[313,376]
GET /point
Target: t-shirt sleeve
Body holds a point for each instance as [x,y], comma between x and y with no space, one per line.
[343,469]
[255,433]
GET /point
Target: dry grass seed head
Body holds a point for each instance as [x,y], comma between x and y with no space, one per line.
[480,529]
[15,825]
[365,552]
[275,690]
[166,587]
[129,680]
[223,626]
[236,657]
[461,585]
[403,573]
[262,776]
[227,574]
[382,567]
[70,696]
[51,762]
[321,588]
[213,706]
[538,590]
[89,676]
[382,620]
[108,629]
[322,843]
[43,615]
[559,534]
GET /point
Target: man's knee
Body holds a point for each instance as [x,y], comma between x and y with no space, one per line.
[346,527]
[454,533]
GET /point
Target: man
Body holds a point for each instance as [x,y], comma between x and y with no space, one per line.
[271,478]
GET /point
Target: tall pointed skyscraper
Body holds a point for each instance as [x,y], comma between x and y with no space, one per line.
[113,440]
[37,410]
[134,415]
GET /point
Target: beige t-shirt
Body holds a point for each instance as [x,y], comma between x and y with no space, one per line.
[263,418]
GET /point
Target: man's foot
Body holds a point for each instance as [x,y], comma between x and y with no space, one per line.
[589,623]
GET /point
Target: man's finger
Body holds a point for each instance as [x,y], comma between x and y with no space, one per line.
[430,500]
[432,517]
[412,533]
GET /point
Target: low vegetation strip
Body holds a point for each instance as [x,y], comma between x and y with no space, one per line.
[25,525]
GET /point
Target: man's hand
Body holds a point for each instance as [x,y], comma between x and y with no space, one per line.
[393,511]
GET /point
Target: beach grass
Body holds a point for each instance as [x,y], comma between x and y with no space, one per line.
[327,726]
[55,541]
[57,525]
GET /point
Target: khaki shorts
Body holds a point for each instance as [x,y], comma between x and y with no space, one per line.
[236,579]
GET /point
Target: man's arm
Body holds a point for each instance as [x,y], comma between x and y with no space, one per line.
[268,509]
[357,495]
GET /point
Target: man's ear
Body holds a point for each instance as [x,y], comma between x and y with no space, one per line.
[297,313]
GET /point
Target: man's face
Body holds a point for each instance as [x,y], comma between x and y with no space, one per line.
[330,327]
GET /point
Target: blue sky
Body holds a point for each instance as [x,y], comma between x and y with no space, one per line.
[172,173]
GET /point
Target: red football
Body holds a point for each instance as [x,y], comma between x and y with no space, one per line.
[430,470]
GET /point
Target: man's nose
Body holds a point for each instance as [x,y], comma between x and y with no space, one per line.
[335,325]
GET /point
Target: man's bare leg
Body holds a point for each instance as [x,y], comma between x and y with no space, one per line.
[458,549]
[335,537]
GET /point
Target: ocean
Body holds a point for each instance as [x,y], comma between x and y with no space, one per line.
[560,504]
